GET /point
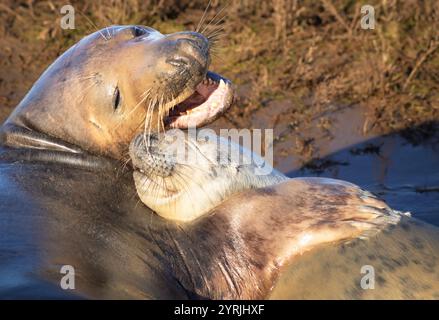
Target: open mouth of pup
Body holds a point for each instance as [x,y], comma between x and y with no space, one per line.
[210,99]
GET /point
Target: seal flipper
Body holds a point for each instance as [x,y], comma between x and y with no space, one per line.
[272,227]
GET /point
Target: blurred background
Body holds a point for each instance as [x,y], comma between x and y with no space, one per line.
[344,102]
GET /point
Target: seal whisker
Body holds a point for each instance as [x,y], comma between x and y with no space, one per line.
[185,190]
[108,33]
[214,29]
[216,34]
[214,38]
[150,110]
[216,15]
[89,77]
[191,166]
[149,117]
[123,163]
[86,91]
[126,161]
[125,116]
[196,148]
[200,23]
[201,186]
[94,26]
[160,117]
[174,207]
[216,56]
[154,181]
[149,122]
[183,176]
[126,154]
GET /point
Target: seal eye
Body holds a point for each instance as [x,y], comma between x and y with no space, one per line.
[116,98]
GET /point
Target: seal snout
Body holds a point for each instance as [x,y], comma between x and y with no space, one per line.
[189,40]
[148,158]
[191,52]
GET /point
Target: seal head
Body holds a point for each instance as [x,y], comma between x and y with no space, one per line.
[115,83]
[183,175]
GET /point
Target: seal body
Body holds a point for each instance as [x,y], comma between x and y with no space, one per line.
[55,215]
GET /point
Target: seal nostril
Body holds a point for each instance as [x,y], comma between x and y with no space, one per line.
[202,42]
[194,39]
[179,61]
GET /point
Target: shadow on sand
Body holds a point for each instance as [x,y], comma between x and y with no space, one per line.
[402,168]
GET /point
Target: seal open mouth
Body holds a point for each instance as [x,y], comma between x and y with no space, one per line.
[211,98]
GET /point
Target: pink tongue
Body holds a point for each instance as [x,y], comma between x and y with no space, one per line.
[195,99]
[201,94]
[206,90]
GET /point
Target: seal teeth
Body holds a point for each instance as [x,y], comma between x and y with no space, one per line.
[209,81]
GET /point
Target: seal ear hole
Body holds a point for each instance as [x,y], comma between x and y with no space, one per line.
[116,99]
